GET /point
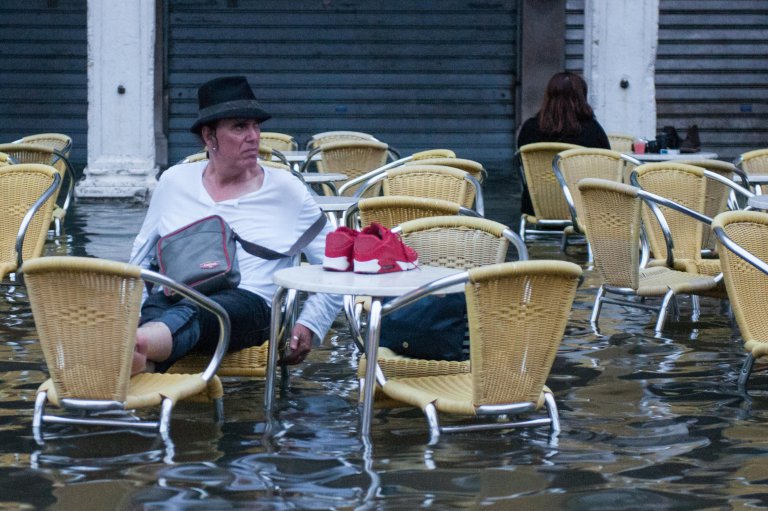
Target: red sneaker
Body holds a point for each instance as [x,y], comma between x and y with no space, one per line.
[378,250]
[339,246]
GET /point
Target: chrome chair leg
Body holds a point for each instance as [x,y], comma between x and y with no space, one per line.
[37,417]
[554,416]
[434,424]
[696,304]
[663,310]
[746,369]
[597,306]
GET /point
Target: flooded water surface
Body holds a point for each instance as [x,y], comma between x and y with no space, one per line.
[647,423]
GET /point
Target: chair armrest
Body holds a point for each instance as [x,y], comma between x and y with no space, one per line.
[53,188]
[70,172]
[206,303]
[305,164]
[422,291]
[372,173]
[519,244]
[566,192]
[740,251]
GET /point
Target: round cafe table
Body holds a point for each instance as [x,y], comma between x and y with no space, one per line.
[653,157]
[314,279]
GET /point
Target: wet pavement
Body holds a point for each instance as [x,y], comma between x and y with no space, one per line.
[648,422]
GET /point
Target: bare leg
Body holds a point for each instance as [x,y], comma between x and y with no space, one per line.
[153,344]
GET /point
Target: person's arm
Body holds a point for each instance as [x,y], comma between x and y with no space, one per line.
[148,231]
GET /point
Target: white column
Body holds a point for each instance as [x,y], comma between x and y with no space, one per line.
[620,42]
[121,100]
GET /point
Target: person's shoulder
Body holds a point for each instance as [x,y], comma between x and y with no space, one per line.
[183,171]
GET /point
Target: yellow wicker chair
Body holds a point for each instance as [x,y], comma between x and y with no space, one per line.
[685,185]
[475,168]
[612,215]
[743,246]
[27,196]
[353,158]
[58,141]
[621,142]
[549,205]
[396,209]
[88,345]
[45,155]
[443,241]
[517,315]
[433,153]
[429,181]
[573,165]
[719,197]
[754,163]
[319,139]
[279,141]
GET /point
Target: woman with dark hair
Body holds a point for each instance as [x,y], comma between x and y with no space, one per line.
[565,116]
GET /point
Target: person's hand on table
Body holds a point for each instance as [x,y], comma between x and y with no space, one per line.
[299,345]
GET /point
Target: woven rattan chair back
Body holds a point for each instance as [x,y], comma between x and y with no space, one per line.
[325,137]
[621,142]
[58,141]
[716,194]
[430,181]
[433,153]
[686,185]
[86,317]
[279,141]
[613,221]
[747,286]
[754,162]
[476,169]
[394,210]
[577,164]
[353,158]
[20,187]
[517,314]
[546,195]
[443,241]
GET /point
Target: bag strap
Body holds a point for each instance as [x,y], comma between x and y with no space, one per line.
[303,241]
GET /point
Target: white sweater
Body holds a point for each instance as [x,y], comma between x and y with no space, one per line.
[274,216]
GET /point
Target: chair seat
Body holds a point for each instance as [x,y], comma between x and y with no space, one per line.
[6,268]
[248,362]
[655,281]
[398,366]
[149,389]
[449,393]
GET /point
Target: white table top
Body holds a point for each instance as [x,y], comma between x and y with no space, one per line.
[322,177]
[758,202]
[298,156]
[335,202]
[648,157]
[314,279]
[759,179]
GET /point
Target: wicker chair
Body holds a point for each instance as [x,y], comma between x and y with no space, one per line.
[279,141]
[319,139]
[429,181]
[573,165]
[88,345]
[58,141]
[5,160]
[352,158]
[45,155]
[517,315]
[685,185]
[621,142]
[27,196]
[743,246]
[549,205]
[433,153]
[443,241]
[612,214]
[754,163]
[475,168]
[719,197]
[396,209]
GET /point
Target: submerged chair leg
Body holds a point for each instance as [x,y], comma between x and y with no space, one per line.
[434,426]
[696,304]
[663,310]
[554,416]
[564,243]
[37,417]
[165,417]
[522,229]
[746,369]
[597,306]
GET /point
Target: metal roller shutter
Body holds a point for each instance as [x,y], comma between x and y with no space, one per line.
[711,69]
[44,89]
[416,74]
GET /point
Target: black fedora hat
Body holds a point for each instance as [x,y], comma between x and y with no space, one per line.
[225,98]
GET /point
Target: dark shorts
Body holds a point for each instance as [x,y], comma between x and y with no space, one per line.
[198,329]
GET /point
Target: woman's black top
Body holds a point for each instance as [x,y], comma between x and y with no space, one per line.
[591,135]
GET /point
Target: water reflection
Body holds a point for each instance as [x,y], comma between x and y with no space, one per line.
[647,421]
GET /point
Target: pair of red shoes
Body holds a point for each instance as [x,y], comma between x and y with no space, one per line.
[375,249]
